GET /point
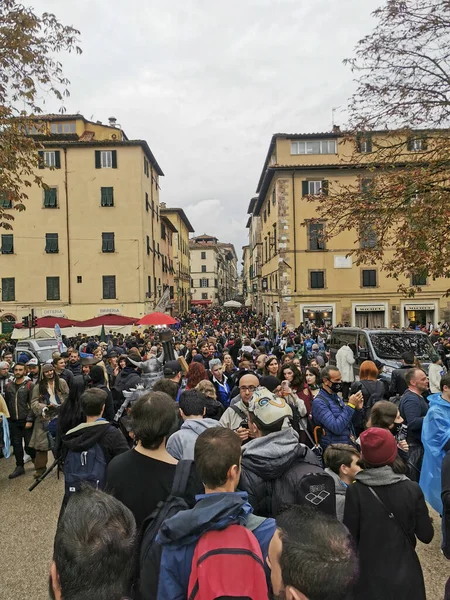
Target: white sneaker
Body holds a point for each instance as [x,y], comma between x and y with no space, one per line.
[26,458]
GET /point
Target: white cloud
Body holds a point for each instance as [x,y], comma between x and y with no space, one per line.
[208,83]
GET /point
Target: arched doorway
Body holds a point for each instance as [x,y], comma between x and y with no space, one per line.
[8,322]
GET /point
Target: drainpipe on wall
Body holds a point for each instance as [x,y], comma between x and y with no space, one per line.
[66,188]
[295,231]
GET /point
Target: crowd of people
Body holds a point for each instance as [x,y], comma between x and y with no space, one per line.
[236,440]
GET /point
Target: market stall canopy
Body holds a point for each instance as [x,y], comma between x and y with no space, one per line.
[107,320]
[157,318]
[47,322]
[232,304]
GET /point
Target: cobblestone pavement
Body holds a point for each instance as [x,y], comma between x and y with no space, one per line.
[29,523]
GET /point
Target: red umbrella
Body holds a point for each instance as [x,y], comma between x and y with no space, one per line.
[157,318]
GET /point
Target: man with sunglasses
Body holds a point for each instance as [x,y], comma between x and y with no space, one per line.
[236,416]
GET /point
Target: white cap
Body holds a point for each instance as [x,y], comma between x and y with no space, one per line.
[33,362]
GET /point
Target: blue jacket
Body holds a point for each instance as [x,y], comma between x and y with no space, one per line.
[336,418]
[179,535]
[435,435]
[413,409]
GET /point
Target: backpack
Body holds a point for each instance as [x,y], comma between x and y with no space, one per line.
[374,397]
[318,490]
[227,564]
[149,550]
[85,467]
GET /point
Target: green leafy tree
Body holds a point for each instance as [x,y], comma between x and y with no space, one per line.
[29,73]
[400,112]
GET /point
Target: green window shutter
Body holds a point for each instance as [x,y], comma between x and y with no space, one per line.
[53,292]
[369,143]
[5,201]
[305,188]
[7,244]
[98,160]
[41,159]
[424,143]
[57,159]
[51,243]
[8,289]
[325,187]
[409,144]
[107,196]
[114,159]
[50,198]
[107,242]
[358,142]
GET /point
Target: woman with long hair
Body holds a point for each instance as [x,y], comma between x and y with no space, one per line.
[385,415]
[313,379]
[46,400]
[195,374]
[229,367]
[271,366]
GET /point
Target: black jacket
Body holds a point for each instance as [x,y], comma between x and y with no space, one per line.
[272,467]
[126,379]
[398,383]
[86,435]
[18,400]
[67,375]
[389,567]
[75,368]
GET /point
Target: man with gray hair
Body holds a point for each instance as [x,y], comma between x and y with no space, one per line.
[5,376]
[220,382]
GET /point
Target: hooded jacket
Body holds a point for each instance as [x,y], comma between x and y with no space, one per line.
[345,360]
[86,435]
[126,379]
[435,437]
[389,567]
[180,534]
[272,468]
[341,490]
[181,444]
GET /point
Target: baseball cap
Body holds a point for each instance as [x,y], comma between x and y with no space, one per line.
[33,362]
[171,368]
[378,446]
[267,408]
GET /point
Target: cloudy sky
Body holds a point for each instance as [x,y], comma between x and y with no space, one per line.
[207,82]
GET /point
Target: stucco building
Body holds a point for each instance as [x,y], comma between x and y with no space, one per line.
[213,271]
[92,240]
[295,275]
[181,253]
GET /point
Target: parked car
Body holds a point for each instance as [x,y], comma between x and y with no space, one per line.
[383,345]
[40,349]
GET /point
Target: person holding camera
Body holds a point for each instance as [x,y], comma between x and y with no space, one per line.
[236,416]
[336,418]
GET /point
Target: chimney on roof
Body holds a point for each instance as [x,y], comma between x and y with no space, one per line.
[336,129]
[162,205]
[112,121]
[99,122]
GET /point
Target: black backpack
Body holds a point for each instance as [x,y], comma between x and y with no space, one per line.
[375,396]
[150,551]
[318,490]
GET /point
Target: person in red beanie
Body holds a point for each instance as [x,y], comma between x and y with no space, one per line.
[385,512]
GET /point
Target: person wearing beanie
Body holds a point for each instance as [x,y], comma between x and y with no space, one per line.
[385,512]
[97,375]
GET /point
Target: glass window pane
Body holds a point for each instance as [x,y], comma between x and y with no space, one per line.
[312,147]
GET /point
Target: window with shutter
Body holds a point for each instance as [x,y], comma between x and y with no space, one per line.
[5,200]
[50,159]
[106,159]
[51,243]
[317,279]
[148,245]
[108,242]
[53,288]
[369,278]
[316,236]
[364,143]
[8,289]
[203,268]
[419,279]
[107,196]
[203,255]
[368,235]
[314,188]
[7,243]
[109,287]
[313,147]
[50,198]
[147,203]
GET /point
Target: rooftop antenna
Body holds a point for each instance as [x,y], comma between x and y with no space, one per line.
[333,110]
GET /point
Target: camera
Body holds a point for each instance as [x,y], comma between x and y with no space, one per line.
[244,424]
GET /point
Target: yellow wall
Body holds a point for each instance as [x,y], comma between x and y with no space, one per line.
[80,191]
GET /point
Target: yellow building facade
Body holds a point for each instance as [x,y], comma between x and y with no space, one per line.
[295,275]
[90,242]
[181,253]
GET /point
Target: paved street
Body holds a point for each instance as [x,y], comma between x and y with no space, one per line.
[28,528]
